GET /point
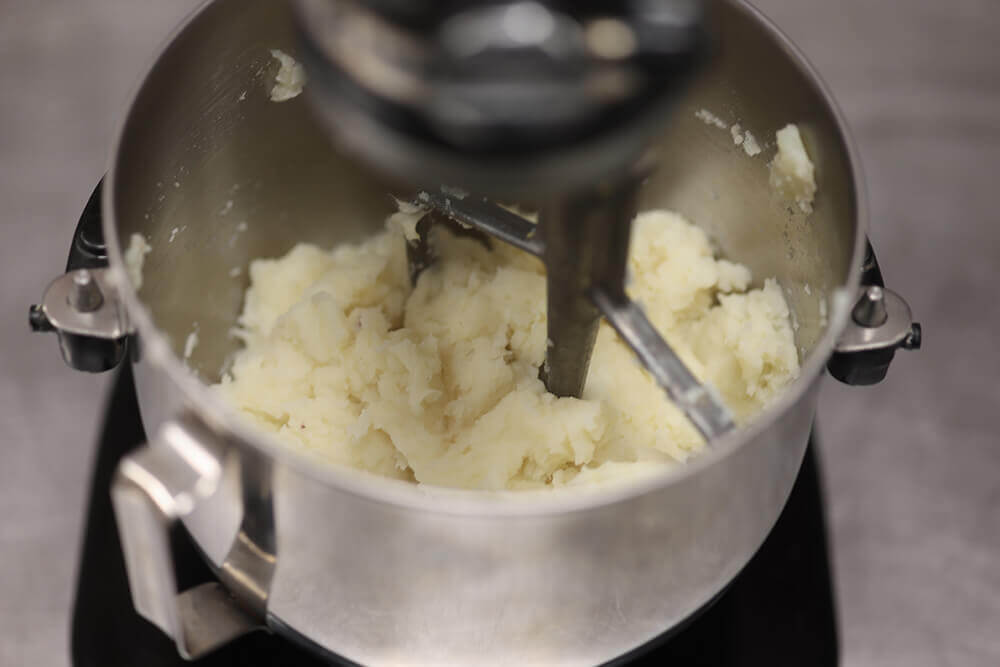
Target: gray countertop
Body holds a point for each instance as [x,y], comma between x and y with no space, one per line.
[912,467]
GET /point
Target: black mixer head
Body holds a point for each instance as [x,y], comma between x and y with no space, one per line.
[503,97]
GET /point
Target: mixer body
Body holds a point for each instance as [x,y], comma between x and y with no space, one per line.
[214,174]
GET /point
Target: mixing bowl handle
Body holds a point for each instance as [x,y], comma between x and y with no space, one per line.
[154,487]
[82,305]
[880,323]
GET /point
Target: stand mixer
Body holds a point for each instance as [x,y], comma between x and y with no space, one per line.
[555,106]
[552,103]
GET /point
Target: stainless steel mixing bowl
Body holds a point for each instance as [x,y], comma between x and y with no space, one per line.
[213,174]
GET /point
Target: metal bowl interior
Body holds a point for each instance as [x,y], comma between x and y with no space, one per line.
[213,174]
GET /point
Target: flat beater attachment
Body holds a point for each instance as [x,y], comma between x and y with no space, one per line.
[583,241]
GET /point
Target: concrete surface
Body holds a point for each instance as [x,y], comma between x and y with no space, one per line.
[912,466]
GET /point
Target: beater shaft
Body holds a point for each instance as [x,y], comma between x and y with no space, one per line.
[586,245]
[583,240]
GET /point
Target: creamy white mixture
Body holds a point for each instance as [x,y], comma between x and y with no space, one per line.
[135,257]
[743,138]
[438,384]
[750,145]
[792,172]
[190,343]
[290,80]
[709,118]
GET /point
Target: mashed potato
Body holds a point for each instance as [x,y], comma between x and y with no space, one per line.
[135,257]
[438,384]
[290,79]
[792,172]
